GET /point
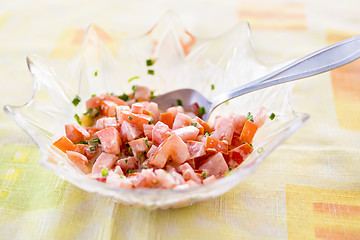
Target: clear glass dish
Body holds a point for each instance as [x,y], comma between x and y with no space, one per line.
[182,61]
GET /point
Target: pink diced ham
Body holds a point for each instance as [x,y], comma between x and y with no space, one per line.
[175,110]
[153,108]
[148,130]
[146,178]
[209,179]
[189,173]
[140,147]
[137,108]
[106,122]
[239,121]
[110,140]
[127,163]
[76,133]
[142,93]
[104,160]
[215,165]
[119,181]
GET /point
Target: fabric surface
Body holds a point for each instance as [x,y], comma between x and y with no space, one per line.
[308,188]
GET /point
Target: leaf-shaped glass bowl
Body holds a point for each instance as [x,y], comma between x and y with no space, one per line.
[182,61]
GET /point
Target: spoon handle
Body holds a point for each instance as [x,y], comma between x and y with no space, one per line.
[320,61]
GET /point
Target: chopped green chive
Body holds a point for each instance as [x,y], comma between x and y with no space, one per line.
[260,150]
[151,72]
[126,160]
[230,168]
[96,73]
[83,142]
[133,87]
[133,78]
[104,172]
[124,97]
[206,134]
[227,103]
[152,95]
[92,148]
[76,100]
[151,121]
[150,62]
[193,124]
[145,167]
[95,140]
[147,143]
[122,176]
[130,151]
[130,118]
[77,118]
[250,117]
[251,145]
[212,86]
[204,175]
[128,171]
[272,116]
[127,144]
[179,102]
[93,95]
[201,110]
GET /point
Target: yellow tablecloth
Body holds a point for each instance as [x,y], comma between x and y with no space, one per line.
[309,188]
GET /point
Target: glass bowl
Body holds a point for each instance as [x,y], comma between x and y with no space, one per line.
[182,61]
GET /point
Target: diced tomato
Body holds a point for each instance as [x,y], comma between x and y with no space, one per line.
[239,154]
[117,181]
[93,102]
[167,118]
[138,119]
[146,178]
[129,131]
[79,160]
[104,160]
[175,110]
[160,132]
[153,108]
[92,131]
[110,140]
[76,133]
[224,129]
[209,179]
[140,147]
[172,147]
[85,150]
[196,149]
[239,121]
[212,143]
[148,129]
[127,163]
[108,108]
[151,151]
[64,144]
[114,99]
[142,93]
[106,122]
[235,142]
[187,133]
[248,132]
[215,165]
[168,180]
[189,174]
[137,108]
[181,120]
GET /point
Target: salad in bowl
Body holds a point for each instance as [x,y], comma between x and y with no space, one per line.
[94,122]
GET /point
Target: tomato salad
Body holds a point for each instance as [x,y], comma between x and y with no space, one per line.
[127,142]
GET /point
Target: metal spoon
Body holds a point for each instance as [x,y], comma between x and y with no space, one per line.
[320,61]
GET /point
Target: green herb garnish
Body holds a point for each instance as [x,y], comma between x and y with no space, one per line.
[151,121]
[150,62]
[130,151]
[152,95]
[204,175]
[133,78]
[151,72]
[212,86]
[83,142]
[96,73]
[76,100]
[93,95]
[260,150]
[147,143]
[124,97]
[250,117]
[128,171]
[230,168]
[95,140]
[77,118]
[206,134]
[193,124]
[201,111]
[133,87]
[145,167]
[130,118]
[126,160]
[104,172]
[251,145]
[272,116]
[93,148]
[179,102]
